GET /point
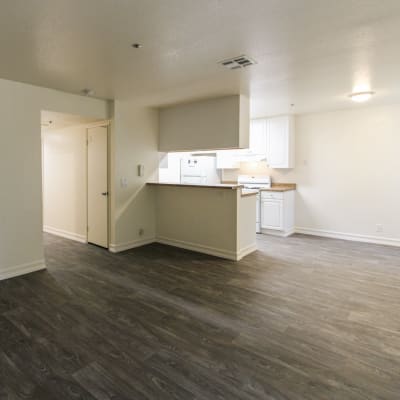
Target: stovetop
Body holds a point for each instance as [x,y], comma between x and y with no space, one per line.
[257,187]
[255,182]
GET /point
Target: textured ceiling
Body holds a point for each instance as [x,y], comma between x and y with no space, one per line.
[312,53]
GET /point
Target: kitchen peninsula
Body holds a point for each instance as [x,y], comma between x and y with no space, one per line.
[213,219]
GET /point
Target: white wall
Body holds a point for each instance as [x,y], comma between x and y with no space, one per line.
[170,170]
[347,171]
[21,243]
[65,182]
[134,140]
[217,123]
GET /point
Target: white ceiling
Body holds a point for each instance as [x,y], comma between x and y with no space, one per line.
[51,120]
[312,53]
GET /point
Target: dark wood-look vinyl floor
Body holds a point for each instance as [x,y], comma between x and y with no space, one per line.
[302,318]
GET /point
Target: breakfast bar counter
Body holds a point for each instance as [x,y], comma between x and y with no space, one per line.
[212,219]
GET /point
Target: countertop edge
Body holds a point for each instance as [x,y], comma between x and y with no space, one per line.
[221,186]
[248,194]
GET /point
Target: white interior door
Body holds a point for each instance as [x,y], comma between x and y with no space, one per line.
[98,186]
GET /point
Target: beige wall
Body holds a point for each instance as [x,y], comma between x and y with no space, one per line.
[65,182]
[347,169]
[218,123]
[21,247]
[246,217]
[134,140]
[212,221]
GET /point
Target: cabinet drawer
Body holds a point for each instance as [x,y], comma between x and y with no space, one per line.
[271,195]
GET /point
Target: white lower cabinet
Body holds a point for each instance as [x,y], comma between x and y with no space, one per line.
[271,212]
[277,212]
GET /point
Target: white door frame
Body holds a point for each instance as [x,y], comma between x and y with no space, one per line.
[106,124]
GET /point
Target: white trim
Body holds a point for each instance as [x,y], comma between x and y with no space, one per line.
[65,234]
[230,255]
[22,269]
[96,124]
[116,248]
[246,251]
[278,232]
[349,236]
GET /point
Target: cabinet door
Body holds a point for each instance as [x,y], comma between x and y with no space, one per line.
[272,214]
[258,137]
[278,145]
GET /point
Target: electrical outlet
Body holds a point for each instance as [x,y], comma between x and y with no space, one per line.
[379,228]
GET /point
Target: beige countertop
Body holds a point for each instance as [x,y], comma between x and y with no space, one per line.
[276,187]
[216,186]
[231,186]
[249,192]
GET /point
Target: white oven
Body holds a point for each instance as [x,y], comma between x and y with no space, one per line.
[256,182]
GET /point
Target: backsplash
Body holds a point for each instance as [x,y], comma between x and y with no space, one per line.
[259,168]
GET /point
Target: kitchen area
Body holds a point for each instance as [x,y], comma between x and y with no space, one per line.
[214,191]
[271,146]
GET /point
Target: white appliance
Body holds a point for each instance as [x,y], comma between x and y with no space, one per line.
[193,171]
[199,170]
[256,182]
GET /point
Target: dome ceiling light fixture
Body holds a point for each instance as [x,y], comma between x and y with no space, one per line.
[360,97]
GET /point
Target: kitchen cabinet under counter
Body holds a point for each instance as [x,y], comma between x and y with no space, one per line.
[277,209]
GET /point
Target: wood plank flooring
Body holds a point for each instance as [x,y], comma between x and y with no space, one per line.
[302,318]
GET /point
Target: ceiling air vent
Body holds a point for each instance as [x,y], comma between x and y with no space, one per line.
[237,62]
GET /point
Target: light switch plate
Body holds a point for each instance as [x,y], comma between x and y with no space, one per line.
[124,182]
[140,169]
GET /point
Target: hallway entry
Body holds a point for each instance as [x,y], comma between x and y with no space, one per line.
[75,177]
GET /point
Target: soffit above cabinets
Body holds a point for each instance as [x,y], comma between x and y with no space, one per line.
[217,123]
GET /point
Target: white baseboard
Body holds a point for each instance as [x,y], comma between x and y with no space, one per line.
[65,234]
[22,269]
[246,251]
[349,236]
[116,248]
[278,233]
[230,255]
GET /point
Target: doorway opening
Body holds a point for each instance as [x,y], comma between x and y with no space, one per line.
[75,177]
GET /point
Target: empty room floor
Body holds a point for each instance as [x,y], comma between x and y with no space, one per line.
[302,318]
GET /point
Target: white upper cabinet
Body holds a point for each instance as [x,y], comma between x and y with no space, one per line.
[270,139]
[280,141]
[258,137]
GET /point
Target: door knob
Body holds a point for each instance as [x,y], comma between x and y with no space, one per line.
[105,194]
